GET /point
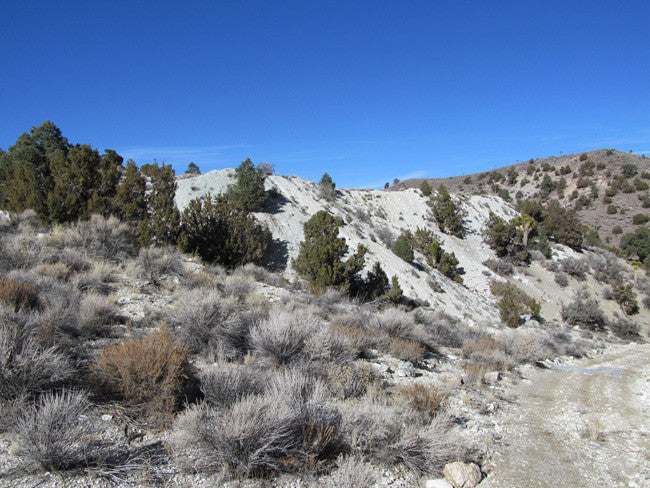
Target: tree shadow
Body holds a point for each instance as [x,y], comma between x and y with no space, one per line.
[279,258]
[274,202]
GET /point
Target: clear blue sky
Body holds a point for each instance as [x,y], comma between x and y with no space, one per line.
[367,91]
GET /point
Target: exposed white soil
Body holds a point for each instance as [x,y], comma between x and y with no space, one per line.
[583,424]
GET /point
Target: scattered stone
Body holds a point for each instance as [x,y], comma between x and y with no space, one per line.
[384,368]
[462,475]
[441,483]
[491,378]
[406,368]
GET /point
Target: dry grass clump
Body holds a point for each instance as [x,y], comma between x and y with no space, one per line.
[625,328]
[224,384]
[584,311]
[424,398]
[152,373]
[156,262]
[19,296]
[399,324]
[326,345]
[238,286]
[213,326]
[528,345]
[287,428]
[54,435]
[27,368]
[97,280]
[575,267]
[485,350]
[352,472]
[258,274]
[388,434]
[442,329]
[281,339]
[349,380]
[100,237]
[475,372]
[58,271]
[406,350]
[97,315]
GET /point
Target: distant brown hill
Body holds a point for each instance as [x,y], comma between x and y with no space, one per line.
[608,188]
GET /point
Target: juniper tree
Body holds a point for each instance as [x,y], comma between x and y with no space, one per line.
[222,233]
[448,213]
[163,218]
[327,188]
[130,201]
[248,191]
[321,255]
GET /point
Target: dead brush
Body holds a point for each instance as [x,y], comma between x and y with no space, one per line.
[475,372]
[58,271]
[19,295]
[406,350]
[427,399]
[152,373]
[362,339]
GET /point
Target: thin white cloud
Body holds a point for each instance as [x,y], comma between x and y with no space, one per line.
[179,154]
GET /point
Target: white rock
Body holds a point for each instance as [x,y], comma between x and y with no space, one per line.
[441,483]
[462,475]
[107,417]
[491,378]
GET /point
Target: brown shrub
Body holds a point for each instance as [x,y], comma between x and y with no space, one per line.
[424,398]
[19,295]
[474,372]
[58,271]
[152,372]
[406,350]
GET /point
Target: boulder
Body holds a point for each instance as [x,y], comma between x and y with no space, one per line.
[462,475]
[441,483]
[491,378]
[407,368]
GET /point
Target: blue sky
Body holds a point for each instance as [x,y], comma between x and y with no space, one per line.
[366,91]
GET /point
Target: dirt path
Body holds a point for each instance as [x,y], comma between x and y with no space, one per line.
[586,424]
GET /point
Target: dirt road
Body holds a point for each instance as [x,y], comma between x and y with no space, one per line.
[585,424]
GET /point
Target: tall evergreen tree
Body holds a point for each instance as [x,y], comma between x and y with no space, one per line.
[163,218]
[320,259]
[248,191]
[130,201]
[105,188]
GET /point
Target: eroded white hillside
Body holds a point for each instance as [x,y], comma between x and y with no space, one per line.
[372,218]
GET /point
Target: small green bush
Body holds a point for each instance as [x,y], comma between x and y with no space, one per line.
[425,188]
[402,247]
[612,209]
[513,303]
[626,298]
[640,219]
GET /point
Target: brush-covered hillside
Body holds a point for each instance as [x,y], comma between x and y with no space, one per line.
[376,219]
[240,328]
[607,188]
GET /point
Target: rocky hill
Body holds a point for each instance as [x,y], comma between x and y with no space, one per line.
[607,188]
[376,218]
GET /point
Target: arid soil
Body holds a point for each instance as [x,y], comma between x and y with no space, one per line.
[583,424]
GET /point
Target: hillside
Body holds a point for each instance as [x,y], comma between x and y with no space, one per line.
[606,187]
[375,219]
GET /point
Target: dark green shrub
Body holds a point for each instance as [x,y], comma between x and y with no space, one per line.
[629,170]
[513,303]
[222,233]
[402,247]
[626,298]
[320,259]
[617,229]
[327,188]
[507,238]
[640,185]
[192,169]
[448,213]
[425,188]
[248,191]
[640,219]
[563,225]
